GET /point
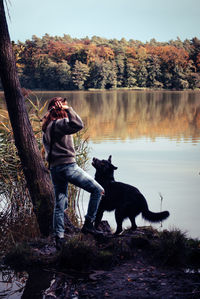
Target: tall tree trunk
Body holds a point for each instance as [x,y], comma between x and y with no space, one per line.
[36,174]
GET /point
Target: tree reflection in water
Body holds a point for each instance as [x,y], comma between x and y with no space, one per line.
[120,115]
[36,284]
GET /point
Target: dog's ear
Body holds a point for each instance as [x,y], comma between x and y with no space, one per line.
[109,160]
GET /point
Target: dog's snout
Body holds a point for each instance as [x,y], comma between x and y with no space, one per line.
[94,161]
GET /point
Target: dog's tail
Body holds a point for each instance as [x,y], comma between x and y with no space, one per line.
[154,217]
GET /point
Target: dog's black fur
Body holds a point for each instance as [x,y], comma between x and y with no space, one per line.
[126,200]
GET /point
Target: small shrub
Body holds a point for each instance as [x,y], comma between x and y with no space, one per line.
[171,248]
[78,253]
[119,248]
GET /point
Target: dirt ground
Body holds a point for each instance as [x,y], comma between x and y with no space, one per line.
[137,278]
[140,276]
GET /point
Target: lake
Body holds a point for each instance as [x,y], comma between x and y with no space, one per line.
[154,140]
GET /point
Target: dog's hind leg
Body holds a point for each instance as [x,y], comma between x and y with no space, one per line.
[119,219]
[133,224]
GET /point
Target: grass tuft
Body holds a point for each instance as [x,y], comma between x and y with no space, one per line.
[171,247]
[78,253]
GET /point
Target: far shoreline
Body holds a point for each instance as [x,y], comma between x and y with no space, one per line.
[140,89]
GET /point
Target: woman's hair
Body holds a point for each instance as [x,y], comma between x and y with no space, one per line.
[54,112]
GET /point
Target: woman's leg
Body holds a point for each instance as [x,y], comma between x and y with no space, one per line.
[82,179]
[60,184]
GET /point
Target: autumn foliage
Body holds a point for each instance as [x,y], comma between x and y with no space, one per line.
[61,63]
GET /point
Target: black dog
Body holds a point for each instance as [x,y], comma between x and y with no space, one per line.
[126,200]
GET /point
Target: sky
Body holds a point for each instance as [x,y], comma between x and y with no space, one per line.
[140,20]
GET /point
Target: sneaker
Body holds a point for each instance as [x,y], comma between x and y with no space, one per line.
[59,243]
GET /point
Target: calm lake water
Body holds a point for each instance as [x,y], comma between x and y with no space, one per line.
[154,140]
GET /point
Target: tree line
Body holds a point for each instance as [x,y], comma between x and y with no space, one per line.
[65,63]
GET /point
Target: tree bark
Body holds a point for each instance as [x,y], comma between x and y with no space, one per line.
[36,174]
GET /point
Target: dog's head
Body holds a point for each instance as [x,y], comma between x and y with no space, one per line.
[104,167]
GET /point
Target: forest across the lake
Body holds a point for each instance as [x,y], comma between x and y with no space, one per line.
[66,63]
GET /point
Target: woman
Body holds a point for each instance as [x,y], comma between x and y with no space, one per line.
[60,122]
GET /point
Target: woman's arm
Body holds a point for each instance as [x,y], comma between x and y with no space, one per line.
[71,125]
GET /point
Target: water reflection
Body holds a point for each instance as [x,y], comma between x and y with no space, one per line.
[37,284]
[12,283]
[125,115]
[121,115]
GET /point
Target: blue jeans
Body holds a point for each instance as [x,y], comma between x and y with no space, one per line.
[71,173]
